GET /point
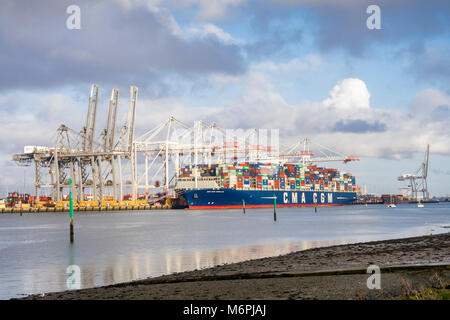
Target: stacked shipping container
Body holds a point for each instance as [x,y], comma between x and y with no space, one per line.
[267,176]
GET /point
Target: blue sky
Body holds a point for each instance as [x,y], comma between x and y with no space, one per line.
[305,67]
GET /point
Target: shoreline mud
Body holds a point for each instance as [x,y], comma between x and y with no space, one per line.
[336,272]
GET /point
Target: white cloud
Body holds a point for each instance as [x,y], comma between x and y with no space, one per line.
[154,112]
[393,134]
[322,2]
[207,30]
[213,9]
[310,62]
[349,94]
[161,13]
[429,101]
[150,4]
[34,118]
[196,31]
[207,9]
[224,80]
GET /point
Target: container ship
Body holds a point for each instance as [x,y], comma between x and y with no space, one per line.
[260,185]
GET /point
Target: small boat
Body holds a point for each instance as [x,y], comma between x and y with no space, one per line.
[420,205]
[392,204]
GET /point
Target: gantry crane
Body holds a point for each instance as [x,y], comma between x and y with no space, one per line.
[90,162]
[303,153]
[418,180]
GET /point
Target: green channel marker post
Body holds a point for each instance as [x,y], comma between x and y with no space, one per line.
[71,210]
[274,208]
[243,205]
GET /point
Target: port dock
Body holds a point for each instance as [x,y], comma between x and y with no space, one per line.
[82,209]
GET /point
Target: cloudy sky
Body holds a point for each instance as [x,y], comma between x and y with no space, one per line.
[309,68]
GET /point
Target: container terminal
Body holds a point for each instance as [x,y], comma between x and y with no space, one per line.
[115,170]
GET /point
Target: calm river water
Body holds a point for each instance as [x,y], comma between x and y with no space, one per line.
[119,246]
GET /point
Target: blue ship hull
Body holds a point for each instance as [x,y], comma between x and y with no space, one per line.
[232,198]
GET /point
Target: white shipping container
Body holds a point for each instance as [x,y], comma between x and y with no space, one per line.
[32,149]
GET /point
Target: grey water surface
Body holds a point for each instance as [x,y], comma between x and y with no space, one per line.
[120,246]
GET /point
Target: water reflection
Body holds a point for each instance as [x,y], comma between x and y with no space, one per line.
[123,269]
[142,265]
[138,266]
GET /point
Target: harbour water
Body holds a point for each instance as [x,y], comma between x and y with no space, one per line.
[120,246]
